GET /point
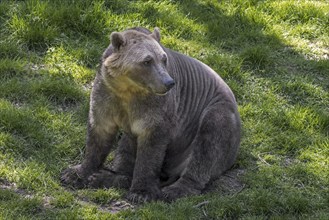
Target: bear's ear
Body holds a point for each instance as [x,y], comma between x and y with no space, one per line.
[156,34]
[117,40]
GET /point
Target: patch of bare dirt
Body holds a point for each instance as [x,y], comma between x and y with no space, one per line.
[6,185]
[112,207]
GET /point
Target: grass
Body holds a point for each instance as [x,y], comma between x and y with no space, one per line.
[273,54]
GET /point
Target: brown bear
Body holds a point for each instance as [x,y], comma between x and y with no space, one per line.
[179,122]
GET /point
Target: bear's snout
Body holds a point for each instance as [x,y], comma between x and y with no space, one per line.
[169,84]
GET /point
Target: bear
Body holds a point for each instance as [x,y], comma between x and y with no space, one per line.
[178,122]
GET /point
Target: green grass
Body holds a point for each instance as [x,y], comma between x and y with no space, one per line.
[273,54]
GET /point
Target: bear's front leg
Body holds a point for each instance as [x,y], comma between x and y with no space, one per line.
[99,142]
[151,150]
[121,172]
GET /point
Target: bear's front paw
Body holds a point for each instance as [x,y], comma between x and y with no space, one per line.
[145,195]
[74,177]
[106,178]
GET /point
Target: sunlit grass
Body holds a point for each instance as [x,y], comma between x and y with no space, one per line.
[273,54]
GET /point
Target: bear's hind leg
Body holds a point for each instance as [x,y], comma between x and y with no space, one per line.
[214,151]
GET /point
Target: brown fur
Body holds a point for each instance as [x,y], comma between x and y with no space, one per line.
[175,139]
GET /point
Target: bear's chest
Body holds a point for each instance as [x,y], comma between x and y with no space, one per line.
[124,116]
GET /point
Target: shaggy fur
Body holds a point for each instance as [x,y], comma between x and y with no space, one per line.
[180,123]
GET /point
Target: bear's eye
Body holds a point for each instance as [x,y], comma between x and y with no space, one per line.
[147,62]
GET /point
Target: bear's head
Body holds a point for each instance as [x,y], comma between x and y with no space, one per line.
[137,58]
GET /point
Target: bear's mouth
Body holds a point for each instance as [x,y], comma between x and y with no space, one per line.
[161,94]
[156,92]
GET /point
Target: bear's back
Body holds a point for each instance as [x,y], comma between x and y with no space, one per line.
[197,87]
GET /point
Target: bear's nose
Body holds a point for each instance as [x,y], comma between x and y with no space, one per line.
[169,84]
